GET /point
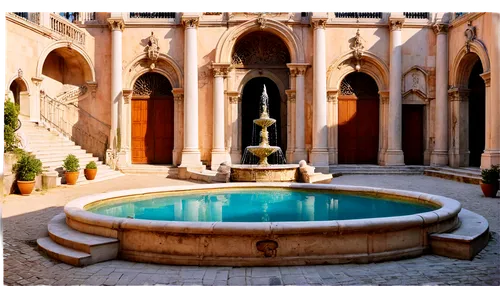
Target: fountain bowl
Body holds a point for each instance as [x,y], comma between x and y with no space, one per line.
[269,173]
[264,122]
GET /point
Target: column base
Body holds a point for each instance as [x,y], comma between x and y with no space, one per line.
[218,156]
[122,158]
[235,156]
[381,157]
[319,159]
[489,158]
[333,156]
[298,155]
[394,158]
[439,158]
[458,158]
[176,156]
[191,158]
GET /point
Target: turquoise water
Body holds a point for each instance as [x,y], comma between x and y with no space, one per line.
[258,206]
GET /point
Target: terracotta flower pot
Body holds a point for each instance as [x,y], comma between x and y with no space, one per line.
[71,177]
[489,190]
[90,173]
[25,187]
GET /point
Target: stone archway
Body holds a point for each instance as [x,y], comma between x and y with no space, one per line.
[260,55]
[19,94]
[152,127]
[468,113]
[378,71]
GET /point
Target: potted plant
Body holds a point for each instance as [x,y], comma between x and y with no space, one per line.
[26,169]
[90,170]
[489,181]
[72,167]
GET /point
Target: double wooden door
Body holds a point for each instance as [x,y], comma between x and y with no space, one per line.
[358,129]
[413,134]
[152,130]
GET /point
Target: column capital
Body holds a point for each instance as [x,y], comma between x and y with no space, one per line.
[190,21]
[92,86]
[234,96]
[298,69]
[332,95]
[178,94]
[318,23]
[290,94]
[116,24]
[37,80]
[486,77]
[440,28]
[396,23]
[127,95]
[384,96]
[221,69]
[458,94]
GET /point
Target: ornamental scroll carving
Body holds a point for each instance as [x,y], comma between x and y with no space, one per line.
[260,48]
[470,35]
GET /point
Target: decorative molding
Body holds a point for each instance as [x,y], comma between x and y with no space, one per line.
[470,35]
[458,94]
[332,98]
[234,99]
[178,97]
[127,95]
[415,79]
[190,22]
[319,24]
[37,80]
[92,86]
[396,24]
[116,24]
[486,77]
[261,21]
[440,28]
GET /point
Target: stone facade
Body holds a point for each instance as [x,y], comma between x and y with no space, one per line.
[88,69]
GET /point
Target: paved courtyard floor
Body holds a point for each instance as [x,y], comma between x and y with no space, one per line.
[25,219]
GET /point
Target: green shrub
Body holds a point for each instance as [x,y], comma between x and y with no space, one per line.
[91,165]
[490,176]
[27,167]
[71,163]
[11,111]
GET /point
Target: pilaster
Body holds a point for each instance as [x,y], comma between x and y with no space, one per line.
[219,155]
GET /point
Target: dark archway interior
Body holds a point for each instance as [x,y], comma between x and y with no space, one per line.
[358,131]
[250,111]
[17,86]
[477,103]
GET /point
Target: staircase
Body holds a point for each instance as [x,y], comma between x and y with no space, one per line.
[464,175]
[339,170]
[52,148]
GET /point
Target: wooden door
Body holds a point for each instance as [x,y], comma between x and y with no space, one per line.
[152,130]
[347,129]
[413,134]
[163,129]
[358,129]
[140,120]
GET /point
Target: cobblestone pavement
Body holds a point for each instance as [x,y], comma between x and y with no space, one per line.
[25,219]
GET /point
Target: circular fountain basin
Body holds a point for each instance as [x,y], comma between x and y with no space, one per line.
[270,173]
[247,224]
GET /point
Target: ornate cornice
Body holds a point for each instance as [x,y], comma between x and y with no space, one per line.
[440,28]
[116,24]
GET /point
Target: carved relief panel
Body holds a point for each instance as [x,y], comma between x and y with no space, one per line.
[415,85]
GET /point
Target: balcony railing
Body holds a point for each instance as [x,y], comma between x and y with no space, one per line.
[416,15]
[358,15]
[32,17]
[62,26]
[153,15]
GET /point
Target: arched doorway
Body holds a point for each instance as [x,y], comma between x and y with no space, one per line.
[476,111]
[152,120]
[250,111]
[358,120]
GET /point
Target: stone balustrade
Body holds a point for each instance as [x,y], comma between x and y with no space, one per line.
[61,25]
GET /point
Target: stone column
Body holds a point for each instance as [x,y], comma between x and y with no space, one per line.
[125,156]
[291,119]
[383,117]
[394,154]
[333,126]
[35,100]
[235,102]
[191,153]
[117,26]
[319,152]
[439,155]
[218,147]
[300,152]
[178,125]
[459,131]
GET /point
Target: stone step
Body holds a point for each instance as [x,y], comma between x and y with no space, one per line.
[64,254]
[50,144]
[469,172]
[168,170]
[99,247]
[62,156]
[337,172]
[48,149]
[59,163]
[466,241]
[454,176]
[99,177]
[74,151]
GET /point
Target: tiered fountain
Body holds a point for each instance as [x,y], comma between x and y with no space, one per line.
[263,171]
